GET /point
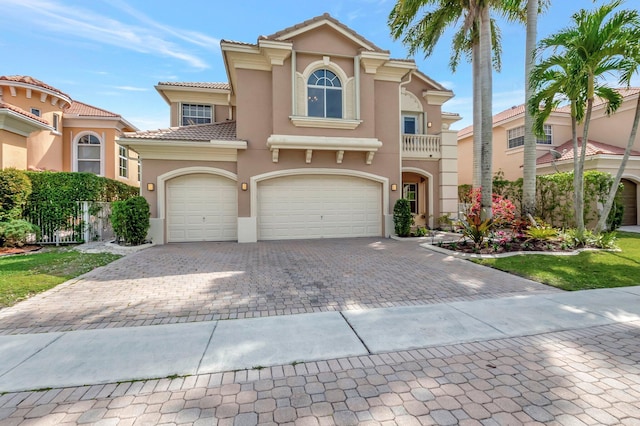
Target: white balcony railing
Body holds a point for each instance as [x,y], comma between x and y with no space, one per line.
[420,146]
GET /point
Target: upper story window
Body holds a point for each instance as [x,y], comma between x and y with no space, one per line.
[123,162]
[139,169]
[324,95]
[410,124]
[56,122]
[89,154]
[516,136]
[196,114]
[35,111]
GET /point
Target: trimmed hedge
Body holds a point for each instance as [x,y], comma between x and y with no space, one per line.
[55,195]
[130,220]
[15,188]
[402,217]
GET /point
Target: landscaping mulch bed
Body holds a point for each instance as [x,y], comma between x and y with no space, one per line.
[6,251]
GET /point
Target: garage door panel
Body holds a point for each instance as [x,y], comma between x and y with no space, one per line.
[201,207]
[315,206]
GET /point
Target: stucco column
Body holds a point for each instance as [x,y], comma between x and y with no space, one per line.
[448,169]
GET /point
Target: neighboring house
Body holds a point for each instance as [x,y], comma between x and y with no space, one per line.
[42,128]
[608,136]
[316,135]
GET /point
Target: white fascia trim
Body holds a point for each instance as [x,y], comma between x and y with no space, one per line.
[20,124]
[323,143]
[254,180]
[162,179]
[35,88]
[186,144]
[429,177]
[325,123]
[437,97]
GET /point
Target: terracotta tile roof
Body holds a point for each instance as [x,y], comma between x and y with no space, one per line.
[323,17]
[624,91]
[200,85]
[242,43]
[225,131]
[514,111]
[86,110]
[32,81]
[4,105]
[593,148]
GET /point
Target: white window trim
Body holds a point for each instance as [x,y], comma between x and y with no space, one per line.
[36,111]
[126,162]
[537,139]
[74,162]
[213,112]
[321,122]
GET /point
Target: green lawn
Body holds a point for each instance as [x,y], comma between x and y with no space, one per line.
[22,276]
[587,270]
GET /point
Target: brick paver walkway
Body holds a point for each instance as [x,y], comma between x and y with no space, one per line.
[582,377]
[208,281]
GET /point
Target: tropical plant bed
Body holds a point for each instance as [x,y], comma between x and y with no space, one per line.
[514,246]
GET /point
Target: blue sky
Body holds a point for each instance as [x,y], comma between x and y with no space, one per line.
[111,53]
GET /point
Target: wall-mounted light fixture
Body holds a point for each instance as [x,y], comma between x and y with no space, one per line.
[244,186]
[151,187]
[429,124]
[394,187]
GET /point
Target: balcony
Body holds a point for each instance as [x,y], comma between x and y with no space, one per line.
[420,147]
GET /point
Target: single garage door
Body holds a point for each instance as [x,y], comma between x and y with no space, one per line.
[319,206]
[630,203]
[202,207]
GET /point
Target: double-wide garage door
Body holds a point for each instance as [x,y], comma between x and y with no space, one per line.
[202,207]
[319,206]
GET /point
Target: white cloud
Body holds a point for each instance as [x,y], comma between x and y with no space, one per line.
[144,36]
[132,89]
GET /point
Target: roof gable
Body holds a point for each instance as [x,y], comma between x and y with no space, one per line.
[320,21]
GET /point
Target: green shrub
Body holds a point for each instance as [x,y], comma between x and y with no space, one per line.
[16,233]
[130,220]
[420,232]
[15,188]
[402,217]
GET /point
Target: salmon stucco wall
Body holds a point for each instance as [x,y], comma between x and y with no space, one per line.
[13,152]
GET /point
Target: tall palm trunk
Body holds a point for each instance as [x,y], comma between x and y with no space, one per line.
[578,178]
[602,222]
[477,117]
[486,108]
[529,169]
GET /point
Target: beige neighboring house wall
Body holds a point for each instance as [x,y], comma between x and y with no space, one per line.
[40,127]
[608,136]
[272,156]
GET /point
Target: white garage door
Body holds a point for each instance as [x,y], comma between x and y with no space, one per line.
[202,207]
[319,206]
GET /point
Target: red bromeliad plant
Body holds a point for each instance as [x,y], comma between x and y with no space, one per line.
[503,209]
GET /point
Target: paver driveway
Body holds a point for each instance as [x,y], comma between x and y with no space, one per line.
[205,281]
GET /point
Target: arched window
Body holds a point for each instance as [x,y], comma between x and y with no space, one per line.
[89,154]
[324,95]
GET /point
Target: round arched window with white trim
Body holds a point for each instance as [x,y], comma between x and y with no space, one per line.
[324,95]
[89,154]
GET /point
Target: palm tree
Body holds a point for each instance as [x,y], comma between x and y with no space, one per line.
[583,55]
[475,36]
[530,142]
[633,65]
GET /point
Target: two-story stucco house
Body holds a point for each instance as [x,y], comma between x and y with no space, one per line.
[42,128]
[608,136]
[316,135]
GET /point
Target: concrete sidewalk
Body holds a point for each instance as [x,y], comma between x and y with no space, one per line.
[89,357]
